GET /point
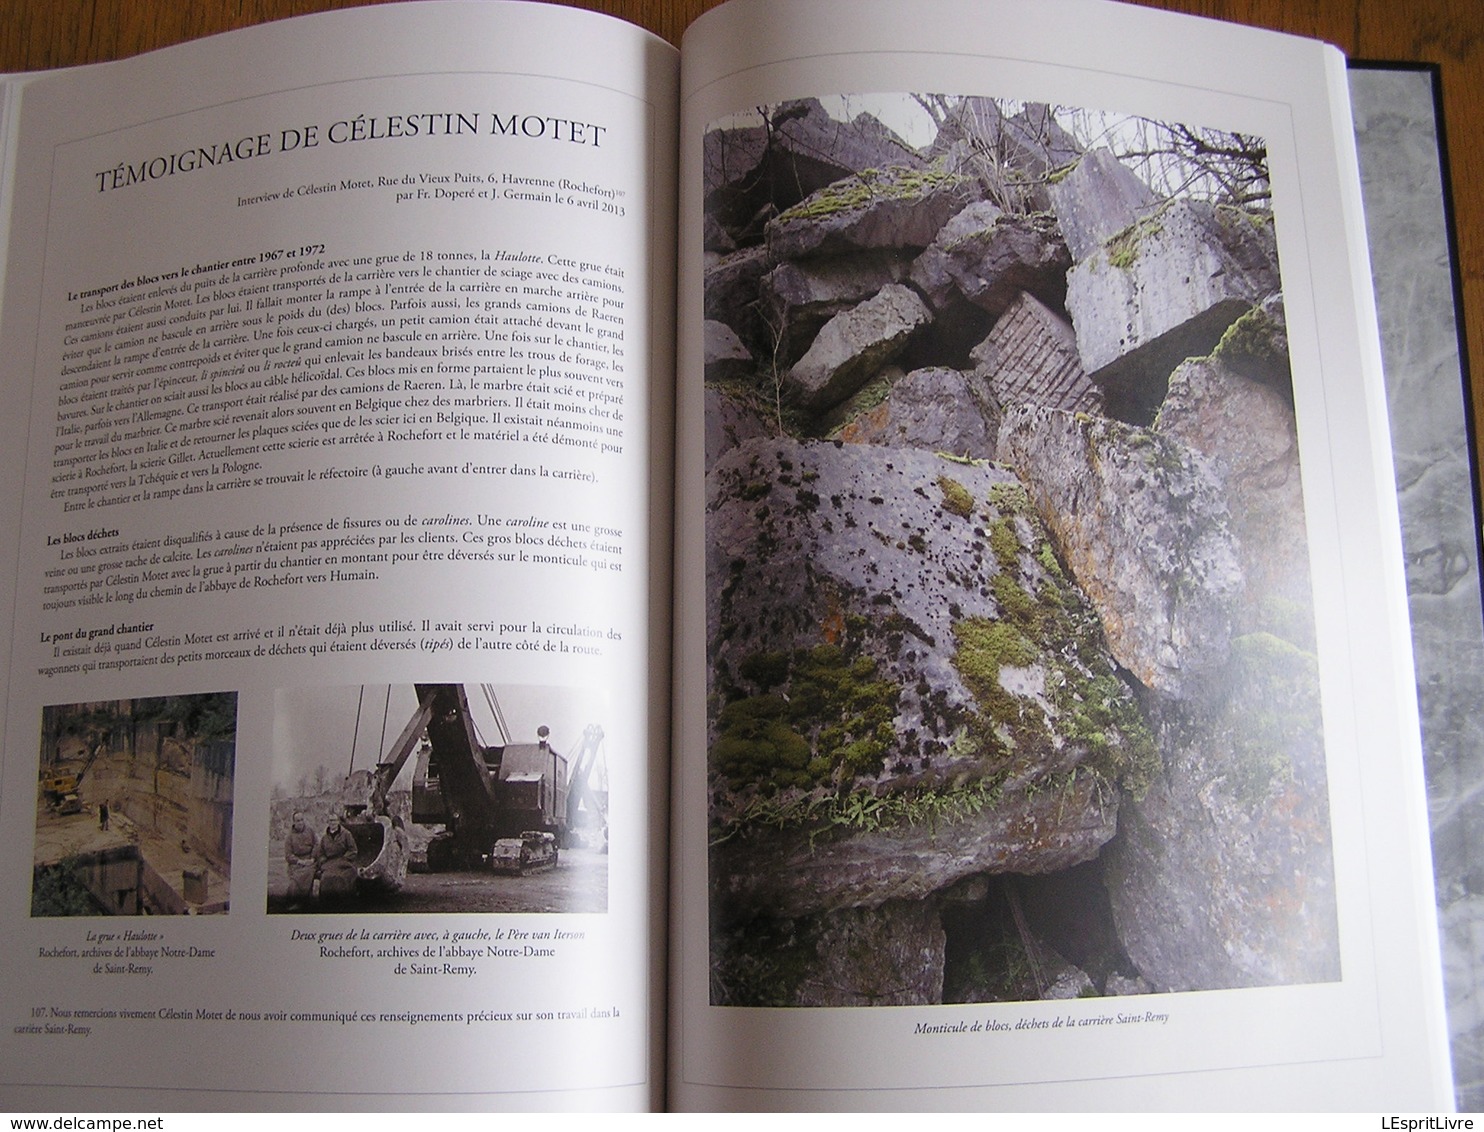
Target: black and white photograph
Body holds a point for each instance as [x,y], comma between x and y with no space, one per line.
[134,807]
[438,798]
[1013,686]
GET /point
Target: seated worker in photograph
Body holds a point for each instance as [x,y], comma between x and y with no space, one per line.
[298,853]
[335,862]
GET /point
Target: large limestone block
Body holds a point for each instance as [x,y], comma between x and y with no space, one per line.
[797,299]
[891,637]
[1246,429]
[897,207]
[853,345]
[1165,289]
[1142,523]
[1097,198]
[942,410]
[987,257]
[1030,358]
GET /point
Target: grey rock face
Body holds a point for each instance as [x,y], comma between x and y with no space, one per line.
[942,410]
[799,298]
[1030,358]
[726,357]
[817,528]
[1246,428]
[1164,290]
[1143,526]
[730,422]
[988,258]
[896,208]
[854,345]
[1222,875]
[931,273]
[1098,198]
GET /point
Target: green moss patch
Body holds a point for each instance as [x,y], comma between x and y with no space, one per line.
[1254,347]
[871,186]
[1122,248]
[1013,600]
[1004,540]
[984,647]
[957,499]
[820,718]
[1010,498]
[1089,704]
[1062,172]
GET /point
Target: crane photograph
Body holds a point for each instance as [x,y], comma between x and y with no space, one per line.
[438,797]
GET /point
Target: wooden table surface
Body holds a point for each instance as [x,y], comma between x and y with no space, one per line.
[37,34]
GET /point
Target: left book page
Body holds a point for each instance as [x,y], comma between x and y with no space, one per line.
[336,365]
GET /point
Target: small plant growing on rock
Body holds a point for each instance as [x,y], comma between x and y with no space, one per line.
[957,499]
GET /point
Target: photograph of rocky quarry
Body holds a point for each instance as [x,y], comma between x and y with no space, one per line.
[1013,691]
[134,807]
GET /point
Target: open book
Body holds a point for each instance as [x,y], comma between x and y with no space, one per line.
[924,628]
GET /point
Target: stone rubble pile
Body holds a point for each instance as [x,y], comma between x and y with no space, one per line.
[1007,571]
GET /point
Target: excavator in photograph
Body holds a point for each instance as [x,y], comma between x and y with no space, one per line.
[509,807]
[61,789]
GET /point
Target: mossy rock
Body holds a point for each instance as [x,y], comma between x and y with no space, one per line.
[1090,705]
[984,647]
[1010,498]
[867,187]
[957,499]
[1255,346]
[1122,248]
[820,716]
[1004,540]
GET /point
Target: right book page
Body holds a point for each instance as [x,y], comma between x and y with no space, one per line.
[1046,728]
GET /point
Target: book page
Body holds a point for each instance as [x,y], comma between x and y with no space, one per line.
[337,353]
[1044,706]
